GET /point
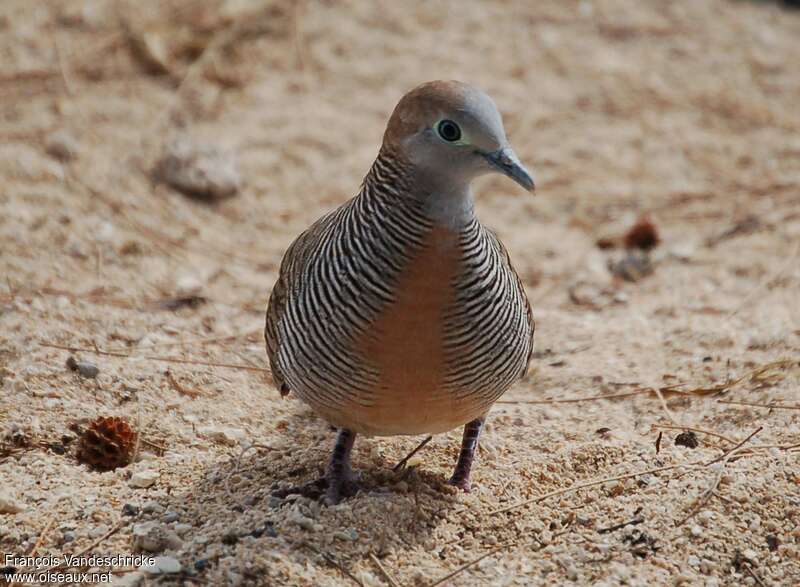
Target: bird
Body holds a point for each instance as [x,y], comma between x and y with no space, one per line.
[399,313]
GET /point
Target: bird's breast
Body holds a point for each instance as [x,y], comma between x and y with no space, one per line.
[406,341]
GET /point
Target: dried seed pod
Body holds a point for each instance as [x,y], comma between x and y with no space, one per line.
[643,235]
[687,439]
[107,443]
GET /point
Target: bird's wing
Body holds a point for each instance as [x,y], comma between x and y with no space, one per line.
[293,265]
[500,248]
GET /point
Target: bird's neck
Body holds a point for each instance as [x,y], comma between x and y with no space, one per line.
[447,203]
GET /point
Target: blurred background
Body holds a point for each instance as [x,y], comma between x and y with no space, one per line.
[157,158]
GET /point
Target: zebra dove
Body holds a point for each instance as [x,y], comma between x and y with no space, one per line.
[398,312]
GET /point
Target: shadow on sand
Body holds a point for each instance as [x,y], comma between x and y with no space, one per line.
[242,533]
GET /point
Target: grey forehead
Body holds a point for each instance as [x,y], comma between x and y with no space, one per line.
[479,111]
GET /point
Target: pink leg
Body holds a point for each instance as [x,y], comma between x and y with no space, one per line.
[469,442]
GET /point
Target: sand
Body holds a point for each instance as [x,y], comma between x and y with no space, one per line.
[684,111]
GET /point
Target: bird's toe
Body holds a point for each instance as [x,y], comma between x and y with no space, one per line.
[461,482]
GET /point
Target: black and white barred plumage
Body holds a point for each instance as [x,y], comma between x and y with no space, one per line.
[342,273]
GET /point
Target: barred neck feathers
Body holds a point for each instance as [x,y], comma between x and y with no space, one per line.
[393,179]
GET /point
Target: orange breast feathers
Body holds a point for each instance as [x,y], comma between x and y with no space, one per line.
[406,342]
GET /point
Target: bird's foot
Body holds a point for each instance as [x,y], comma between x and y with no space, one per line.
[339,489]
[312,490]
[326,489]
[461,481]
[339,481]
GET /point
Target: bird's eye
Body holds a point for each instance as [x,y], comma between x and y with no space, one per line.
[449,130]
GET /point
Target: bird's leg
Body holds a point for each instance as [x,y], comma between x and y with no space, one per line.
[469,442]
[340,476]
[339,480]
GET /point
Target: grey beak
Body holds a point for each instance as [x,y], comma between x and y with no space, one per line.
[505,160]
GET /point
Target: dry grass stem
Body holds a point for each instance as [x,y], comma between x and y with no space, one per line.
[334,562]
[747,301]
[471,563]
[89,548]
[405,459]
[155,358]
[42,536]
[698,430]
[386,574]
[176,385]
[758,405]
[580,486]
[708,493]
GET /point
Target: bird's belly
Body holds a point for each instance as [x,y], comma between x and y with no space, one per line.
[406,347]
[410,388]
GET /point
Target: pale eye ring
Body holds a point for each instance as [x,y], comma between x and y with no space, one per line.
[448,130]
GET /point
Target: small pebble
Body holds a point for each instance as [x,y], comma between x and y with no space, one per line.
[773,542]
[10,505]
[696,531]
[84,368]
[705,516]
[170,517]
[143,479]
[750,555]
[62,146]
[230,538]
[135,579]
[635,266]
[130,510]
[98,531]
[300,520]
[163,565]
[267,529]
[200,171]
[222,435]
[152,507]
[569,568]
[350,536]
[57,448]
[152,537]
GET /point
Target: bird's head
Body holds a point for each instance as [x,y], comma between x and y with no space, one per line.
[451,133]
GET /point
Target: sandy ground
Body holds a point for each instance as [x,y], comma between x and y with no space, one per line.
[685,111]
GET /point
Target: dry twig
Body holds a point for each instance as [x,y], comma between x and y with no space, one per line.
[42,536]
[706,495]
[384,572]
[757,405]
[405,459]
[747,301]
[188,391]
[699,430]
[178,360]
[334,562]
[471,563]
[736,448]
[83,551]
[579,486]
[574,400]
